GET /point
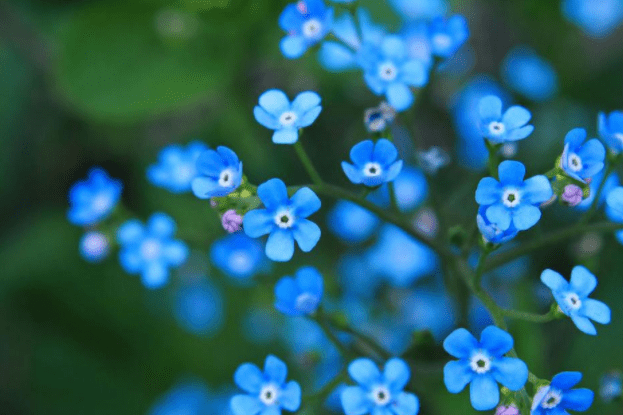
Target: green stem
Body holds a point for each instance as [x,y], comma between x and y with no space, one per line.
[531,317]
[494,159]
[320,318]
[307,163]
[368,340]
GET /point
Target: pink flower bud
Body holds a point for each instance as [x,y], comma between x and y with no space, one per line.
[572,195]
[232,222]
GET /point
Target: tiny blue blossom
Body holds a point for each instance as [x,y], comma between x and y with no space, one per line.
[558,397]
[219,173]
[529,75]
[433,159]
[572,298]
[379,393]
[611,130]
[501,128]
[611,386]
[482,364]
[582,160]
[306,22]
[150,250]
[491,232]
[413,10]
[92,200]
[189,397]
[266,393]
[447,35]
[596,18]
[284,219]
[176,167]
[300,295]
[94,246]
[238,256]
[513,200]
[374,163]
[199,307]
[277,113]
[351,223]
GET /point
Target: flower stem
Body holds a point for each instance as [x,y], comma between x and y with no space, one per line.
[368,340]
[307,163]
[321,319]
[531,317]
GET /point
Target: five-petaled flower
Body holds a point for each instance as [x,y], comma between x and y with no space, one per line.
[300,295]
[268,392]
[558,396]
[219,173]
[572,298]
[501,128]
[176,167]
[284,219]
[374,163]
[379,393]
[93,199]
[582,160]
[448,35]
[482,363]
[307,22]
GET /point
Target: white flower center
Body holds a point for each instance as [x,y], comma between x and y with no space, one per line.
[575,162]
[480,363]
[288,119]
[284,219]
[269,394]
[150,249]
[573,301]
[442,41]
[306,302]
[312,28]
[380,395]
[95,243]
[508,150]
[497,128]
[551,399]
[388,71]
[101,203]
[226,179]
[372,169]
[511,198]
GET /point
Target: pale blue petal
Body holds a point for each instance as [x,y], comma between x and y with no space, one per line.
[526,216]
[210,163]
[584,324]
[130,232]
[131,261]
[290,398]
[271,410]
[266,119]
[393,171]
[519,133]
[456,375]
[280,245]
[229,156]
[249,378]
[353,173]
[511,172]
[399,96]
[596,311]
[575,137]
[490,108]
[336,57]
[537,190]
[516,117]
[245,405]
[592,151]
[361,153]
[460,343]
[393,47]
[499,215]
[583,282]
[161,225]
[305,101]
[176,252]
[306,233]
[309,117]
[484,393]
[396,374]
[305,202]
[293,47]
[496,341]
[374,83]
[554,280]
[364,372]
[578,399]
[258,222]
[275,102]
[344,29]
[286,292]
[154,275]
[310,281]
[406,404]
[488,191]
[204,187]
[355,401]
[273,193]
[414,73]
[384,152]
[275,370]
[287,135]
[566,380]
[510,372]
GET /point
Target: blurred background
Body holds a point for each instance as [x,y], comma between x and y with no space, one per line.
[110,83]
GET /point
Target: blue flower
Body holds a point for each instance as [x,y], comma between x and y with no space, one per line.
[611,182]
[176,167]
[94,246]
[491,232]
[276,112]
[199,307]
[284,219]
[299,296]
[482,364]
[558,396]
[92,200]
[572,298]
[389,71]
[420,9]
[379,393]
[238,256]
[447,35]
[513,201]
[611,386]
[374,163]
[417,40]
[502,128]
[410,190]
[351,223]
[529,75]
[307,22]
[597,18]
[611,130]
[268,392]
[150,250]
[219,173]
[582,160]
[188,398]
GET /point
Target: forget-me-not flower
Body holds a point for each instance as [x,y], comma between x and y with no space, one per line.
[176,167]
[94,246]
[491,232]
[93,199]
[238,256]
[306,22]
[219,173]
[572,298]
[150,250]
[284,219]
[611,130]
[447,35]
[300,295]
[266,393]
[513,200]
[351,223]
[582,160]
[373,163]
[501,128]
[529,75]
[482,364]
[596,18]
[558,396]
[277,113]
[379,393]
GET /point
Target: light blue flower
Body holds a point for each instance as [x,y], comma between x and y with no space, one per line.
[611,386]
[219,173]
[558,396]
[389,71]
[582,160]
[275,112]
[176,167]
[572,298]
[351,223]
[417,39]
[300,295]
[379,393]
[238,256]
[374,163]
[306,22]
[150,250]
[92,200]
[284,219]
[94,246]
[529,75]
[502,128]
[447,35]
[490,231]
[596,18]
[268,392]
[611,130]
[482,364]
[412,10]
[188,398]
[513,201]
[198,307]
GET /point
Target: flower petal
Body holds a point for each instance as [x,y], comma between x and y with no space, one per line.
[499,215]
[355,401]
[484,393]
[309,117]
[399,96]
[352,172]
[273,194]
[511,172]
[258,222]
[204,187]
[526,216]
[335,57]
[566,380]
[496,341]
[131,232]
[384,152]
[280,245]
[306,233]
[361,153]
[414,73]
[456,375]
[290,397]
[405,404]
[275,102]
[305,101]
[460,343]
[293,47]
[537,190]
[275,370]
[210,163]
[519,133]
[516,117]
[584,324]
[396,374]
[575,138]
[510,372]
[554,280]
[578,399]
[288,135]
[305,202]
[488,191]
[364,372]
[245,405]
[490,108]
[596,311]
[266,119]
[582,281]
[154,275]
[309,280]
[249,378]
